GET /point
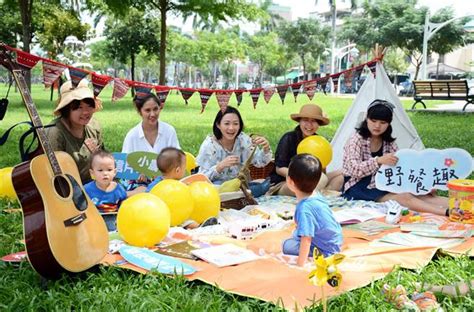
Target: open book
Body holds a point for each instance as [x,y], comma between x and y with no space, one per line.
[357,215]
[225,255]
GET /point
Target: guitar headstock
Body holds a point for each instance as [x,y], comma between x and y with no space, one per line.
[6,59]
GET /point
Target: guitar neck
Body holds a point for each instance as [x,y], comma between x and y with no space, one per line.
[36,120]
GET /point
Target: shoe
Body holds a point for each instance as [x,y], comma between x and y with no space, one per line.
[426,301]
[209,221]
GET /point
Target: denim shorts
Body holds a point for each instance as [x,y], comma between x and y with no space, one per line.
[359,191]
[291,246]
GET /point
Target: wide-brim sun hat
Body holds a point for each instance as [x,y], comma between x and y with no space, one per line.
[68,94]
[312,111]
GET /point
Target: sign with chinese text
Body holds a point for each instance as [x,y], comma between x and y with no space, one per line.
[144,162]
[124,171]
[418,172]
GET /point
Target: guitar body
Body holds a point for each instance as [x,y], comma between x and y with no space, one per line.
[63,230]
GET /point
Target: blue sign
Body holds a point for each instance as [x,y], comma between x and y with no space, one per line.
[124,171]
[418,172]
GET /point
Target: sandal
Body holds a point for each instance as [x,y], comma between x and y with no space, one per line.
[426,301]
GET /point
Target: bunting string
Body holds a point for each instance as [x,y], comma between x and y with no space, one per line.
[52,70]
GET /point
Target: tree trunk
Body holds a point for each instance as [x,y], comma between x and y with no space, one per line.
[163,10]
[132,68]
[26,7]
[304,66]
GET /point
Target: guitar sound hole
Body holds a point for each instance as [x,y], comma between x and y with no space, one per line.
[61,186]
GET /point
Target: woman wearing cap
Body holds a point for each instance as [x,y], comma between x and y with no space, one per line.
[309,119]
[372,146]
[75,131]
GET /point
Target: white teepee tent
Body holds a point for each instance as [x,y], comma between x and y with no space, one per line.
[379,87]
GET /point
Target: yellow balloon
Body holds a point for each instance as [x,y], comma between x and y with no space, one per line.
[190,162]
[177,197]
[317,146]
[206,201]
[143,220]
[6,185]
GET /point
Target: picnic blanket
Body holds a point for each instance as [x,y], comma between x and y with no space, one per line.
[275,278]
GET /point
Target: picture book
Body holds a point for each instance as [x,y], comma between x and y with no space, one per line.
[371,227]
[412,240]
[149,260]
[182,249]
[225,255]
[356,215]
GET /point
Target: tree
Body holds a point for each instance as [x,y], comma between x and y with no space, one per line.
[395,61]
[400,24]
[209,11]
[130,35]
[58,24]
[305,36]
[264,50]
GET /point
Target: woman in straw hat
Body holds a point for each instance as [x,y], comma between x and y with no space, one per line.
[309,119]
[75,131]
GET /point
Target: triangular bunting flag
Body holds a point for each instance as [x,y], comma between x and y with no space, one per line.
[255,94]
[238,96]
[141,89]
[205,95]
[335,81]
[296,89]
[77,75]
[371,66]
[26,60]
[357,72]
[348,79]
[309,88]
[120,89]
[162,95]
[268,93]
[282,92]
[323,83]
[51,72]
[186,93]
[99,82]
[223,99]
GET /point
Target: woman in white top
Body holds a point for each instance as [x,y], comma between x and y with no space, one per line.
[151,134]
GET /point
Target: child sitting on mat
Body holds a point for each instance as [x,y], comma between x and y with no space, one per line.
[105,193]
[171,162]
[316,226]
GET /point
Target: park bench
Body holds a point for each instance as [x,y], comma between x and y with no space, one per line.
[442,90]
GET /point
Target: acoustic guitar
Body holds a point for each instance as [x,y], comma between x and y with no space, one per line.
[64,232]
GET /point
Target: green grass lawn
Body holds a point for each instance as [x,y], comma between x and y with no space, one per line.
[114,289]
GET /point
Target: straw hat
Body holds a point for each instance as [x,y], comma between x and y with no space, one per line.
[311,111]
[68,94]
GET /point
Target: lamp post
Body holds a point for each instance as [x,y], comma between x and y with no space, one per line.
[429,31]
